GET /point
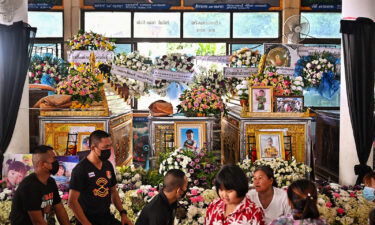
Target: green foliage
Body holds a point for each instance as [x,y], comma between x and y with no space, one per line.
[152,178]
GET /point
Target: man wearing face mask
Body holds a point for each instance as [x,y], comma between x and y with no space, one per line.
[93,185]
[161,209]
[37,195]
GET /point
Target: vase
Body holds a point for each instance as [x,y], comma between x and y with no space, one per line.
[201,114]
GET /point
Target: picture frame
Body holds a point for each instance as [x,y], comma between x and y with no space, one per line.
[289,104]
[190,135]
[270,144]
[260,99]
[83,141]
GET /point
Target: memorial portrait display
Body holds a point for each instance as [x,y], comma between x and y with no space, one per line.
[270,144]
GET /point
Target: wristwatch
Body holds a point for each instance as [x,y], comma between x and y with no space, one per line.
[123,211]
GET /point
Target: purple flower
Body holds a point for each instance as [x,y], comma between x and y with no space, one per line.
[196,182]
[192,163]
[191,171]
[196,160]
[197,167]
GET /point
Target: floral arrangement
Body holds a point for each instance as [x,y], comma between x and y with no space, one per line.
[81,84]
[245,57]
[174,62]
[343,205]
[192,209]
[243,90]
[201,100]
[90,41]
[129,177]
[313,67]
[46,69]
[285,172]
[297,85]
[136,62]
[213,79]
[199,167]
[270,77]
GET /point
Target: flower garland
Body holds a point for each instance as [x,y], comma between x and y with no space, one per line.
[46,69]
[285,172]
[81,84]
[201,100]
[136,62]
[313,67]
[90,41]
[213,79]
[245,57]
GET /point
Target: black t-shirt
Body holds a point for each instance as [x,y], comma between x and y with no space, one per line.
[94,187]
[157,212]
[33,195]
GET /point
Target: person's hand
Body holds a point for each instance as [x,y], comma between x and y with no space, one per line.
[125,220]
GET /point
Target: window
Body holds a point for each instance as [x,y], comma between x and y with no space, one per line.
[110,24]
[42,48]
[206,25]
[256,25]
[157,25]
[52,29]
[127,48]
[323,25]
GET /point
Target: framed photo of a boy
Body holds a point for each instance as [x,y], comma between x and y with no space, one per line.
[270,144]
[261,98]
[190,135]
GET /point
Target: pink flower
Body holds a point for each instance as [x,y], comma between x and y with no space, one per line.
[65,196]
[152,189]
[139,191]
[151,194]
[336,195]
[329,204]
[194,191]
[340,211]
[352,194]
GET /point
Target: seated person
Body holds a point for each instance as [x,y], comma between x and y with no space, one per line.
[369,190]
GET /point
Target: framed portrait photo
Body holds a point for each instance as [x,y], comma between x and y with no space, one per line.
[83,141]
[190,135]
[261,99]
[270,144]
[289,104]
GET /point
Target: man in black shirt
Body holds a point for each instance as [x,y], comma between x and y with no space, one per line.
[161,209]
[93,185]
[37,195]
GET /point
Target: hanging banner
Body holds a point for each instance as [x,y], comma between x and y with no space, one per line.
[128,73]
[239,72]
[172,76]
[228,5]
[307,50]
[84,56]
[43,4]
[217,59]
[322,5]
[132,4]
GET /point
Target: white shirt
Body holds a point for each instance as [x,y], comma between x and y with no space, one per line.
[279,205]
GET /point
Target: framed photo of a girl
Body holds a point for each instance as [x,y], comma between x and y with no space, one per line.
[270,144]
[261,98]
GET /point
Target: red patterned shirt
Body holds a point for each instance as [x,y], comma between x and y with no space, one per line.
[246,213]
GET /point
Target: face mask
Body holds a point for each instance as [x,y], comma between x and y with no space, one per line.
[368,194]
[105,154]
[55,167]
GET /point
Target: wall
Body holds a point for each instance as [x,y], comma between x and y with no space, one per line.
[348,154]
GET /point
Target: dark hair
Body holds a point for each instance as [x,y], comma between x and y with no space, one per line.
[303,196]
[173,179]
[368,177]
[17,166]
[371,217]
[62,165]
[232,177]
[41,149]
[189,131]
[269,173]
[96,137]
[261,90]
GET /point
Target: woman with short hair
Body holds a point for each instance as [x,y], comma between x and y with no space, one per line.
[272,200]
[233,206]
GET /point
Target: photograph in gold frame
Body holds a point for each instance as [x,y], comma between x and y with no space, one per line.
[83,141]
[270,144]
[190,135]
[260,99]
